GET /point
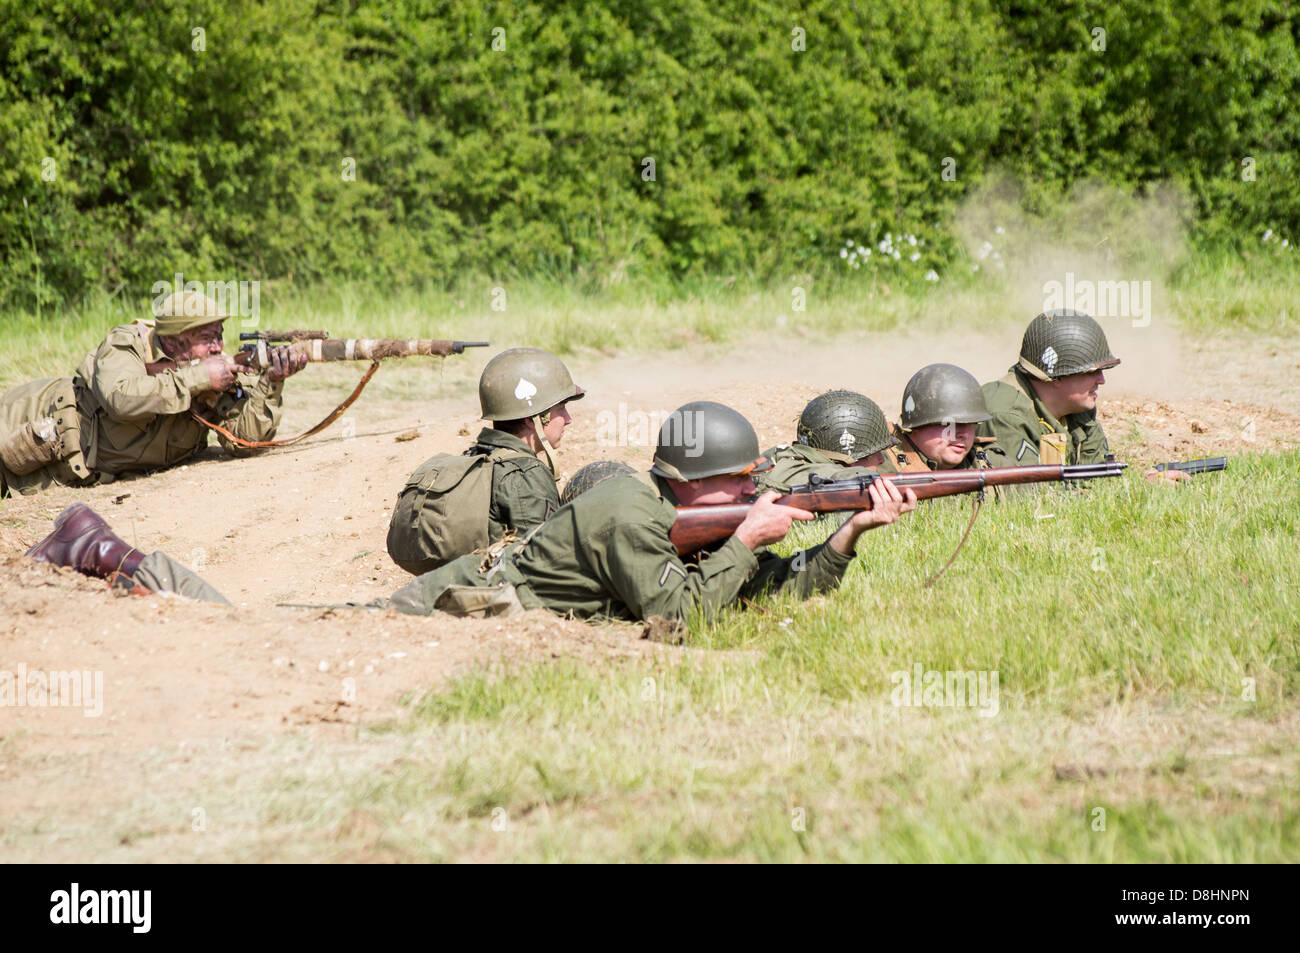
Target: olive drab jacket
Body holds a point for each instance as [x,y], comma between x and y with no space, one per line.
[792,464]
[1025,434]
[126,420]
[523,487]
[904,457]
[608,554]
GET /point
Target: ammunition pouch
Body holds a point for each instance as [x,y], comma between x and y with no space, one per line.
[50,436]
[33,445]
[478,602]
[1054,449]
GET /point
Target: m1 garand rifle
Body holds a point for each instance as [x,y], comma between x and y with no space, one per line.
[698,527]
[319,347]
[1194,467]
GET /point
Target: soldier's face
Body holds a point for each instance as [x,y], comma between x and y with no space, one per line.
[716,490]
[871,462]
[198,343]
[560,418]
[1078,392]
[944,444]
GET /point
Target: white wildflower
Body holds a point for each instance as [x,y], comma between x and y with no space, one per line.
[999,230]
[844,253]
[931,275]
[915,256]
[984,251]
[911,240]
[1267,235]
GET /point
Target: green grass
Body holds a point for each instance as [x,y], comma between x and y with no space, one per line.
[1121,625]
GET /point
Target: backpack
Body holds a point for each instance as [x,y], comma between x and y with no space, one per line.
[442,512]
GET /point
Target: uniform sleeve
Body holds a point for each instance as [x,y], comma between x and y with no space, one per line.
[1015,439]
[254,417]
[642,568]
[126,390]
[523,497]
[803,574]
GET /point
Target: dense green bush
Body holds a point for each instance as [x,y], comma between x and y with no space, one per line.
[498,139]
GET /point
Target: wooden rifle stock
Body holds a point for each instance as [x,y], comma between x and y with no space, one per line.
[697,527]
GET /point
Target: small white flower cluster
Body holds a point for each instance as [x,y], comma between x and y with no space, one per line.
[1271,236]
[890,248]
[987,251]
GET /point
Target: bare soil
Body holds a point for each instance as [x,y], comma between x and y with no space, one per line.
[307,525]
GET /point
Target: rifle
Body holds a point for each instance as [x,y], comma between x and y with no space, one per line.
[697,527]
[1193,467]
[317,346]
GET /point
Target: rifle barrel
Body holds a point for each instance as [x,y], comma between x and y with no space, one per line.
[697,527]
[1206,465]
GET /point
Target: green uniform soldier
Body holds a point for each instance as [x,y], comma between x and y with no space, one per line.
[838,433]
[609,554]
[128,407]
[503,484]
[1045,409]
[83,541]
[942,404]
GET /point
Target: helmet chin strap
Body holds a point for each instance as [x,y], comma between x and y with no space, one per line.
[538,424]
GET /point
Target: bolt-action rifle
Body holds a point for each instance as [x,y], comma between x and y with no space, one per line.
[318,346]
[698,527]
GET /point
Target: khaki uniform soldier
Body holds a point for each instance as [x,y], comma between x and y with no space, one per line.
[942,404]
[609,554]
[504,484]
[83,541]
[128,407]
[839,433]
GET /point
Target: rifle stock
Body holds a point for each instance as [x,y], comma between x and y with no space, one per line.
[697,527]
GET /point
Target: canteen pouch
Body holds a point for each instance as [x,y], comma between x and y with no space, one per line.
[1053,449]
[36,444]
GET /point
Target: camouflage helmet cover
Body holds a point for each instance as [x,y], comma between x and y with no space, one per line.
[523,382]
[1063,342]
[844,424]
[942,394]
[588,476]
[704,439]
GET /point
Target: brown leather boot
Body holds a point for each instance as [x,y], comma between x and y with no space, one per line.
[83,541]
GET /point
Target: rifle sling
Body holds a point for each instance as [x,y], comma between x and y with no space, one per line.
[976,503]
[334,415]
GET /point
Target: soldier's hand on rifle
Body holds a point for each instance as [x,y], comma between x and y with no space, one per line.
[888,503]
[1168,476]
[221,373]
[284,362]
[767,522]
